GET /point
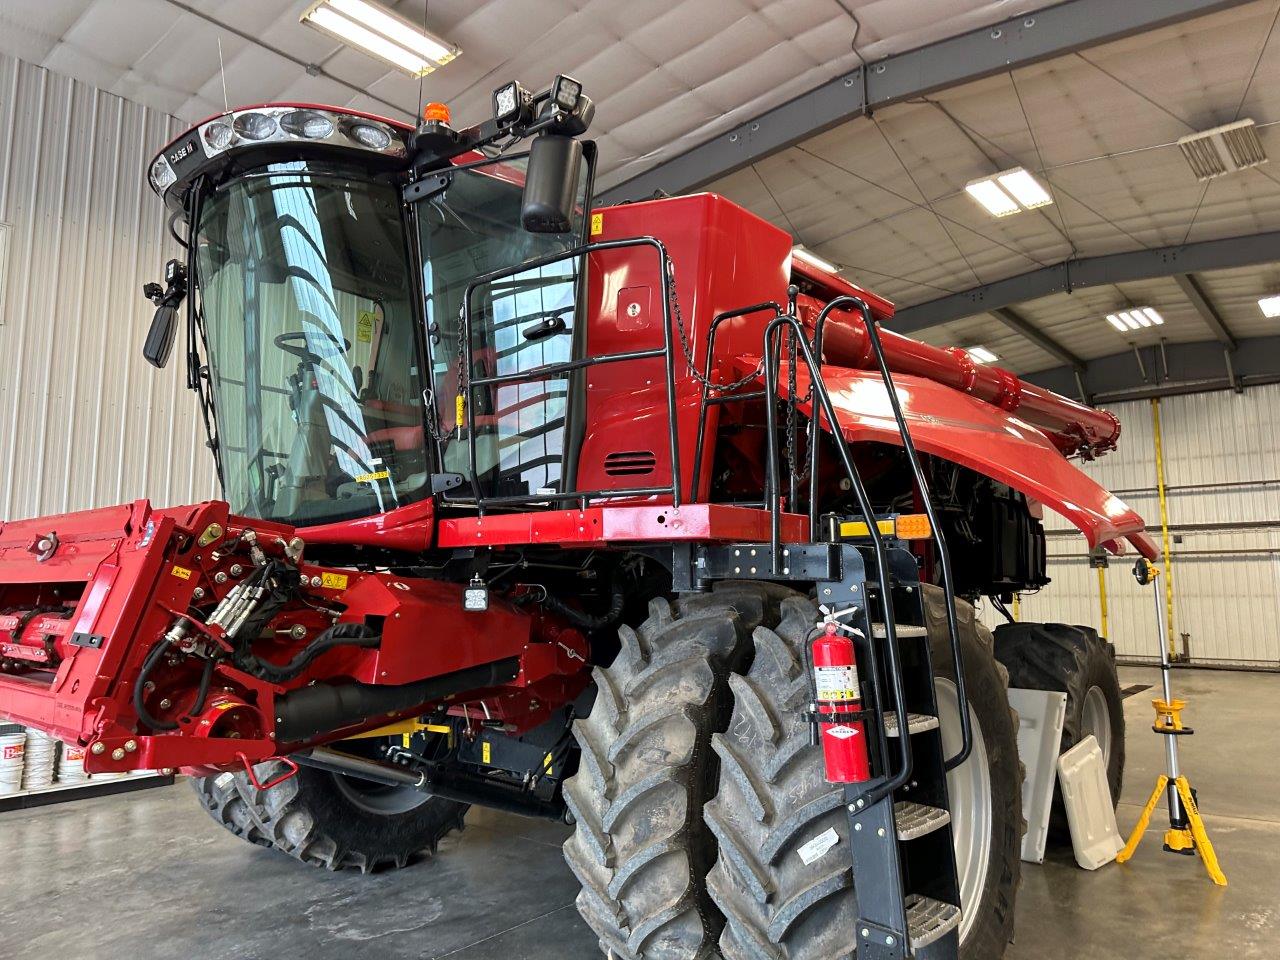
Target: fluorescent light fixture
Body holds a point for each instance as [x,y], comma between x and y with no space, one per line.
[1270,306]
[814,260]
[1009,192]
[1025,188]
[988,193]
[982,354]
[386,35]
[1135,318]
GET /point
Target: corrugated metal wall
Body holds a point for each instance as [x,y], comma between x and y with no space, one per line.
[1222,468]
[84,421]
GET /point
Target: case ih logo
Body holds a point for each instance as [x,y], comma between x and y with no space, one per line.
[182,152]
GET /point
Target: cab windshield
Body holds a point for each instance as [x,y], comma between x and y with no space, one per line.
[309,321]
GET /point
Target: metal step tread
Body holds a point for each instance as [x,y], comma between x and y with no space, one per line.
[929,920]
[903,631]
[918,819]
[916,723]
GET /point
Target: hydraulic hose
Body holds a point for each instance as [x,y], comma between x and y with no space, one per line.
[140,688]
[586,621]
[339,635]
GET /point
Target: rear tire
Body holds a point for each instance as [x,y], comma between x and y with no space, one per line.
[328,820]
[773,799]
[641,848]
[1081,664]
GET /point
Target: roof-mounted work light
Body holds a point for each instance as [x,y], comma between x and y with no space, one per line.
[511,103]
[565,93]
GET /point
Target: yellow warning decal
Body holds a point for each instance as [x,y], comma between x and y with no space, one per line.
[182,573]
[597,224]
[371,477]
[364,326]
[546,766]
[333,581]
[486,752]
[460,411]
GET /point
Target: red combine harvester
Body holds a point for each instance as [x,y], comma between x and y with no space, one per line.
[623,516]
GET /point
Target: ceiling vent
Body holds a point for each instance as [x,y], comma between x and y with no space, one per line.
[630,463]
[1223,150]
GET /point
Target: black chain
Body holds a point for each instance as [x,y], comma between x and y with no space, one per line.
[688,354]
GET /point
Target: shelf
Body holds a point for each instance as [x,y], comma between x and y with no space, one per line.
[66,792]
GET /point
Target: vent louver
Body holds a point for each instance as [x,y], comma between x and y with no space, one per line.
[1222,150]
[630,463]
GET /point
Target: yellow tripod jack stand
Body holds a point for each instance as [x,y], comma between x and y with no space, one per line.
[1186,834]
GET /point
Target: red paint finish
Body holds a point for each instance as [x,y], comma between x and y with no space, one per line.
[724,258]
[1073,427]
[984,438]
[124,574]
[620,525]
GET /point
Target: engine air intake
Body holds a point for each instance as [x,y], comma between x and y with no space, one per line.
[630,463]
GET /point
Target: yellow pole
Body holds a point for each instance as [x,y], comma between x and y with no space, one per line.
[1017,606]
[1102,599]
[1164,526]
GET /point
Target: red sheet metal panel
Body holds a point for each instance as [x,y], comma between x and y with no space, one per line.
[984,438]
[600,526]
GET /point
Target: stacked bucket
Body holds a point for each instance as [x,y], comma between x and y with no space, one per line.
[13,749]
[30,760]
[37,766]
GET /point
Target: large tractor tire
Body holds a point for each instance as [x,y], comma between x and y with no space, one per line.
[1081,664]
[773,800]
[329,820]
[640,847]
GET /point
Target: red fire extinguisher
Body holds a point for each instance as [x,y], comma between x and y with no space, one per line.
[844,742]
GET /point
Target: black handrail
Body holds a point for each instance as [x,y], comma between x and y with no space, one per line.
[944,556]
[707,399]
[667,353]
[772,343]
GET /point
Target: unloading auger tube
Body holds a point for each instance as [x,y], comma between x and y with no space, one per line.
[1074,427]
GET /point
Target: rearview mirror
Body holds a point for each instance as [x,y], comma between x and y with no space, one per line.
[159,342]
[551,184]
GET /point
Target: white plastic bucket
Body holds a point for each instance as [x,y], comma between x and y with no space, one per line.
[37,769]
[71,763]
[13,740]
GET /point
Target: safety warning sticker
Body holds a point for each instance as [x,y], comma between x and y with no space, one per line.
[837,683]
[818,847]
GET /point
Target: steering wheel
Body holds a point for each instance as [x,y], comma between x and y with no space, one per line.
[295,344]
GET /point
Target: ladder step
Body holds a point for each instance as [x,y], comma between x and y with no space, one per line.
[916,723]
[917,819]
[929,920]
[903,631]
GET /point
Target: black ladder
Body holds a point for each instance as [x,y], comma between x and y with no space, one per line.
[899,821]
[900,836]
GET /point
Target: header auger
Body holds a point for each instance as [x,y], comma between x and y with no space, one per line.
[543,507]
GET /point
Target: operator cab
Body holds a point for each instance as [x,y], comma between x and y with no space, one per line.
[328,257]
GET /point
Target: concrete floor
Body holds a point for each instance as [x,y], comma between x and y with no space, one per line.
[149,876]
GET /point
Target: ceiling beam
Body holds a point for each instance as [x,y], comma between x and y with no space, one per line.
[1053,32]
[1020,325]
[1169,369]
[1192,290]
[1071,275]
